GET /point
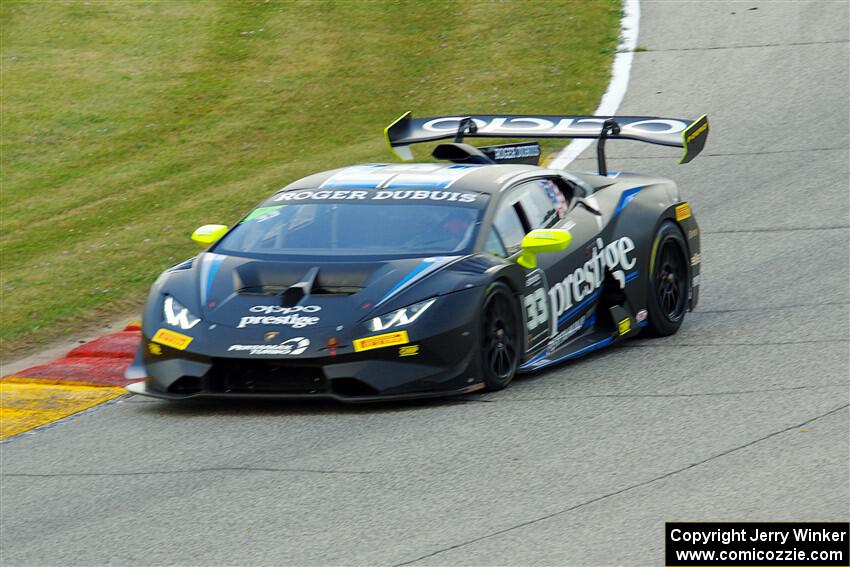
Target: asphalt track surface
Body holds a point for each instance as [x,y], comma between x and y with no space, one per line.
[741,416]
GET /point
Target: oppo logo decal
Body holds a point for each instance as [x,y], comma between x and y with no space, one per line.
[528,124]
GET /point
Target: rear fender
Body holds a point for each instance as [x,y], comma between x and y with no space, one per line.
[639,219]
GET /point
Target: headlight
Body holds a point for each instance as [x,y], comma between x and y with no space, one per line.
[176,315]
[401,317]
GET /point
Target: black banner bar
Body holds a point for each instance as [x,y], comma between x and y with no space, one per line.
[762,544]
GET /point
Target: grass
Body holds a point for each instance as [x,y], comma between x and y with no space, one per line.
[124,124]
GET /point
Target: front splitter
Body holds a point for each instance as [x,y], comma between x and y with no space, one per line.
[142,389]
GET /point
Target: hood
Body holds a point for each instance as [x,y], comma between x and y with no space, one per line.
[242,292]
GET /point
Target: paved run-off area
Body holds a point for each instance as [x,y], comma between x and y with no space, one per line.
[742,415]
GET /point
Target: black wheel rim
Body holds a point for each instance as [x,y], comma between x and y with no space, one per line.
[671,280]
[500,337]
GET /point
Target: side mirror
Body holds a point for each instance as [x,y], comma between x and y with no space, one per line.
[208,234]
[540,241]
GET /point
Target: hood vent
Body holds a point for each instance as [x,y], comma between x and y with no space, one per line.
[299,291]
[267,278]
[317,290]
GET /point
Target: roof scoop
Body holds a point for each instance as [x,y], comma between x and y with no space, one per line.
[296,292]
[460,153]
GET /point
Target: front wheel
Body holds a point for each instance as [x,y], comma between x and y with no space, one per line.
[501,336]
[668,284]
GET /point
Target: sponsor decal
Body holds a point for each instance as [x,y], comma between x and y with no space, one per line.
[381,195]
[683,212]
[624,326]
[380,341]
[641,316]
[562,337]
[410,350]
[615,257]
[178,316]
[697,132]
[172,339]
[695,280]
[693,233]
[292,347]
[695,259]
[555,126]
[277,315]
[263,213]
[515,152]
[154,349]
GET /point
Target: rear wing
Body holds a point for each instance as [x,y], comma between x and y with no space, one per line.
[690,135]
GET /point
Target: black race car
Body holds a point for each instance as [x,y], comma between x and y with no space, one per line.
[387,281]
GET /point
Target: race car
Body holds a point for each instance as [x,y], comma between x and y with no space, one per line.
[390,281]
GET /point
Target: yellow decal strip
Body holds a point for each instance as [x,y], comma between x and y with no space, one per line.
[172,339]
[411,350]
[380,341]
[25,406]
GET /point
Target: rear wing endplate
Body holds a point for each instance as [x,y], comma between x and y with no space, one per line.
[690,135]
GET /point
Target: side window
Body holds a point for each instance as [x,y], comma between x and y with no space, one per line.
[509,227]
[539,203]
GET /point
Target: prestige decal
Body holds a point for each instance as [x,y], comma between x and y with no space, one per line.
[292,347]
[277,315]
[586,279]
[526,124]
[401,195]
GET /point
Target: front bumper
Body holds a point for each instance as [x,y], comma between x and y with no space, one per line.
[438,366]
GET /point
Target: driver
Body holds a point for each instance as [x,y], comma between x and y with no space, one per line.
[455,225]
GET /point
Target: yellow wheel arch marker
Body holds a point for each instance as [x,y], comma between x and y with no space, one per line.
[29,403]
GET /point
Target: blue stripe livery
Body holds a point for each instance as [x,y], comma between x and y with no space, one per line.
[626,198]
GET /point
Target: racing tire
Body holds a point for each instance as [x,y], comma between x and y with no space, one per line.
[667,299]
[500,336]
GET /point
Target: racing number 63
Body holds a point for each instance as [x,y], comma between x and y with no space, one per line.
[536,309]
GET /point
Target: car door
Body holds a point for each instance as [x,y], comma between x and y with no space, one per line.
[547,202]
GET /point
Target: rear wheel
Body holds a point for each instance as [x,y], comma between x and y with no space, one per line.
[501,336]
[668,284]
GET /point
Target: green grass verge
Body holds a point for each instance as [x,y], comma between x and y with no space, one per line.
[127,124]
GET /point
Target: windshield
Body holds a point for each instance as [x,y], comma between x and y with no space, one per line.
[356,228]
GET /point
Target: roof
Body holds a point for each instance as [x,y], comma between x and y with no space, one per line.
[433,176]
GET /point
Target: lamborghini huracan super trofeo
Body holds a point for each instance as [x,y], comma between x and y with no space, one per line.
[386,281]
